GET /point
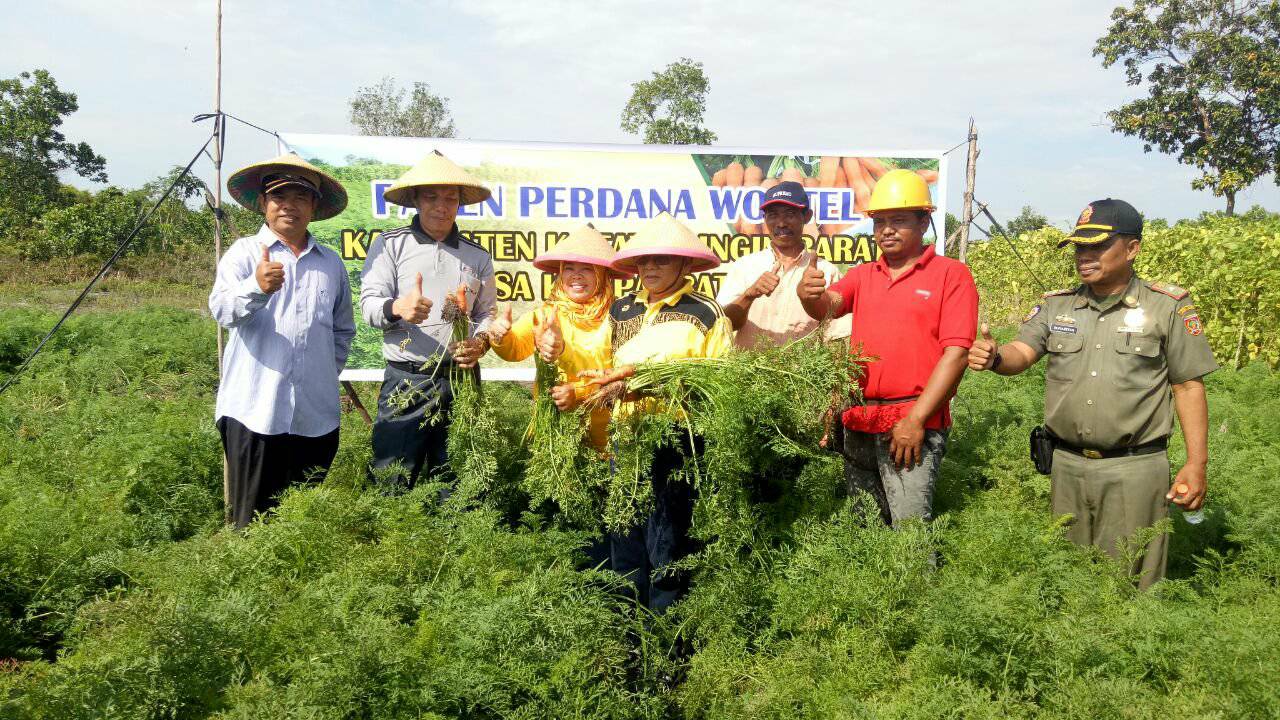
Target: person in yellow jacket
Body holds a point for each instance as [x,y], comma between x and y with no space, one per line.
[571,329]
[665,319]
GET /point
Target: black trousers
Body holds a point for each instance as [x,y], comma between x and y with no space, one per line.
[260,467]
[642,553]
[404,433]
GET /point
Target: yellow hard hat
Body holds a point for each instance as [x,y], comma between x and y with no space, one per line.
[900,190]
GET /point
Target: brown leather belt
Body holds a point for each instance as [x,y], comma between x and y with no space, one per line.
[889,401]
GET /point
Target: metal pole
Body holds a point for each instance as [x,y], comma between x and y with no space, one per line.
[970,173]
[219,128]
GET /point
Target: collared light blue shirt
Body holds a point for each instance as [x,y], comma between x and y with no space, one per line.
[280,368]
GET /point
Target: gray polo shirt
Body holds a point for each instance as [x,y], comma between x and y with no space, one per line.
[394,258]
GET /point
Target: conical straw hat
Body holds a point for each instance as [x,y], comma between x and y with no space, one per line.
[584,245]
[436,170]
[664,235]
[246,185]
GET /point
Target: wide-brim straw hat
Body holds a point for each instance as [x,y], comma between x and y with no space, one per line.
[584,245]
[664,235]
[436,170]
[246,184]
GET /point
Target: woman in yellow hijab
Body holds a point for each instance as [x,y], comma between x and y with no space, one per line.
[571,328]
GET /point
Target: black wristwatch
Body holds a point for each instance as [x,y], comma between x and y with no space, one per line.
[999,359]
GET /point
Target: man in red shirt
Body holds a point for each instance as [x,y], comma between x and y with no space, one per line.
[917,314]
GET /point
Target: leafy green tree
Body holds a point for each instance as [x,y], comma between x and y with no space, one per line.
[383,109]
[94,227]
[33,151]
[1027,221]
[1212,72]
[952,223]
[668,109]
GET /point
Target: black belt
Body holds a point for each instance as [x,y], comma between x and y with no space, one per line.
[890,401]
[413,368]
[1147,449]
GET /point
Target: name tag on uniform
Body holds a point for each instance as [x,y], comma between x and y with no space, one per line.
[1060,328]
[1134,321]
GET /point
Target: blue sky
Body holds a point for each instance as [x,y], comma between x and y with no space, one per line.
[906,74]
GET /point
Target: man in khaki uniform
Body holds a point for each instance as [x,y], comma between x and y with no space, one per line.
[1117,346]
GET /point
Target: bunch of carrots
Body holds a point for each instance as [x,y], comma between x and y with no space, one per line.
[857,174]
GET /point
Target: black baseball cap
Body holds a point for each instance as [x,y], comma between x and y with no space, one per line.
[788,193]
[271,183]
[1101,219]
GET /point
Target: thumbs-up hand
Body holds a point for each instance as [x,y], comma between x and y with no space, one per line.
[813,283]
[982,354]
[500,326]
[550,339]
[270,275]
[412,307]
[766,283]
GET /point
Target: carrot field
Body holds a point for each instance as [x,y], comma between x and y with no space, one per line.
[121,595]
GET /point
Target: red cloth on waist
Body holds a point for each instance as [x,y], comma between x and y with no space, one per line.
[906,324]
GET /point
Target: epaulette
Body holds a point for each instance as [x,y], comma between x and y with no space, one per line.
[1169,289]
[1064,291]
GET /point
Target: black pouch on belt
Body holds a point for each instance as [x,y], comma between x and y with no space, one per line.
[1042,449]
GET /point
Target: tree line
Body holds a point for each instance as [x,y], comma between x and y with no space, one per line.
[1210,70]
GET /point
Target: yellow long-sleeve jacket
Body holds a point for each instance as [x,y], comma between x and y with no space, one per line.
[684,325]
[584,349]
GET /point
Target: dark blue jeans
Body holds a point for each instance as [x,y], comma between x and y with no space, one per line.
[412,427]
[642,553]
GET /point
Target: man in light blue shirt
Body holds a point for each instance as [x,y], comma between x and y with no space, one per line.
[286,300]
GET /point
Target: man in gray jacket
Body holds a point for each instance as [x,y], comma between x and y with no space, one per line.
[408,274]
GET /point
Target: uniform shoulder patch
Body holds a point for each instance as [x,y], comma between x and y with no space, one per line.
[1169,289]
[1064,291]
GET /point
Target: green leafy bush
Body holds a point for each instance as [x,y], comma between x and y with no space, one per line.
[123,596]
[1228,263]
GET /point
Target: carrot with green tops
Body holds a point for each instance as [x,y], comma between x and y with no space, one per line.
[600,378]
[717,179]
[753,176]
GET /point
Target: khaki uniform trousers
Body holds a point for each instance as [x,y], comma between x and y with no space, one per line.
[1112,498]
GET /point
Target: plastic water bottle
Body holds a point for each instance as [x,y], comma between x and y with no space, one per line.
[1194,517]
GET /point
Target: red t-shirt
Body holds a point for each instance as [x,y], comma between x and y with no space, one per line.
[906,323]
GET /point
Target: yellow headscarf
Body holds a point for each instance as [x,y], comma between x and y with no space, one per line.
[586,316]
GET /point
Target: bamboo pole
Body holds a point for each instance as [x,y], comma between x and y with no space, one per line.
[970,175]
[219,128]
